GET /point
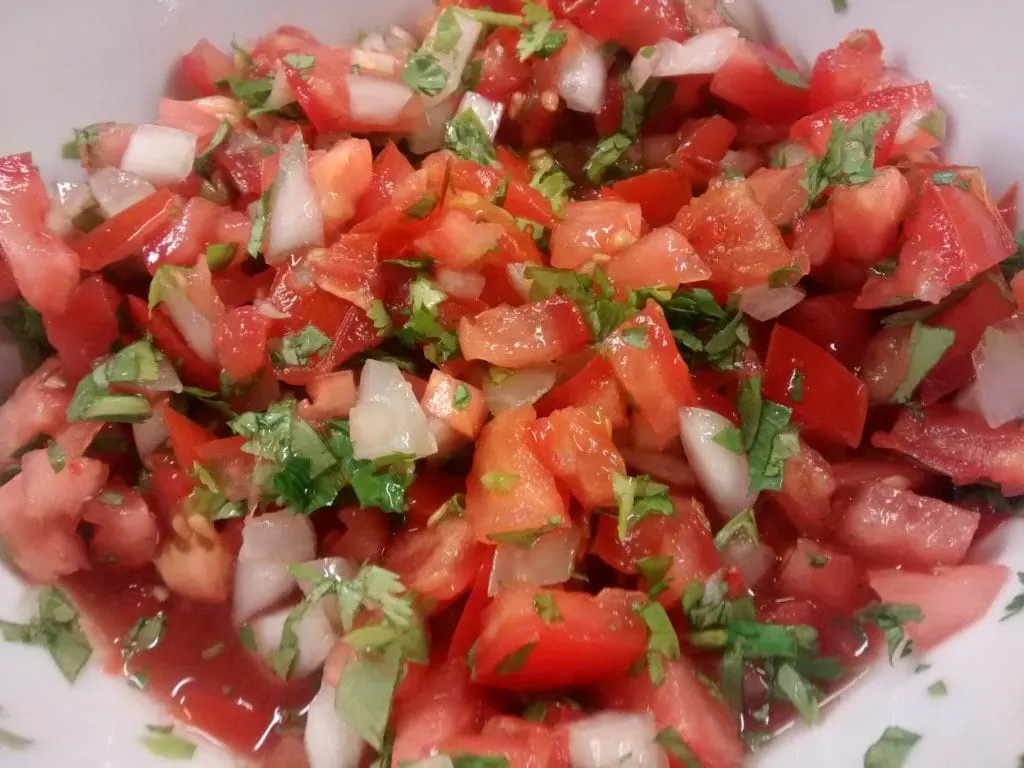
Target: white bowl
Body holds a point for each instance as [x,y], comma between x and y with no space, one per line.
[70,63]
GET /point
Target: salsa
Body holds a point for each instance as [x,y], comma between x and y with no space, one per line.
[560,385]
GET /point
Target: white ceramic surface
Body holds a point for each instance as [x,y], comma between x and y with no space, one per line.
[68,63]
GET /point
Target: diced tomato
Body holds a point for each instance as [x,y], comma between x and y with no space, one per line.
[684,703]
[194,370]
[577,449]
[192,117]
[665,467]
[893,470]
[204,65]
[331,396]
[124,533]
[703,143]
[960,445]
[631,23]
[685,538]
[826,381]
[129,232]
[807,488]
[364,538]
[471,620]
[985,305]
[832,322]
[779,192]
[501,72]
[87,327]
[459,405]
[38,406]
[891,526]
[439,562]
[650,369]
[594,230]
[185,437]
[536,749]
[844,72]
[45,269]
[951,599]
[240,339]
[243,159]
[885,364]
[734,237]
[341,176]
[813,237]
[594,388]
[598,637]
[516,337]
[349,269]
[826,577]
[185,241]
[747,81]
[662,257]
[660,193]
[390,168]
[866,217]
[459,242]
[522,494]
[1007,206]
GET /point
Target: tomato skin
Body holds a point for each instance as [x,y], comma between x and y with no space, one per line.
[37,406]
[185,437]
[87,327]
[831,581]
[845,72]
[501,72]
[631,23]
[893,527]
[599,637]
[365,536]
[577,449]
[951,599]
[866,217]
[660,192]
[826,381]
[813,237]
[45,269]
[390,168]
[656,377]
[184,243]
[194,370]
[1007,206]
[440,563]
[950,237]
[703,143]
[779,193]
[592,228]
[471,621]
[516,337]
[662,257]
[807,488]
[593,388]
[832,322]
[240,339]
[349,269]
[533,501]
[983,306]
[458,242]
[684,703]
[129,232]
[341,176]
[746,81]
[204,65]
[734,237]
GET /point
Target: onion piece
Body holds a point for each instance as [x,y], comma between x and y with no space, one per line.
[281,93]
[724,475]
[523,386]
[295,219]
[149,434]
[74,197]
[399,41]
[270,544]
[462,285]
[582,78]
[267,309]
[789,153]
[702,54]
[453,61]
[489,112]
[336,568]
[763,303]
[387,418]
[372,62]
[615,740]
[166,378]
[372,41]
[517,276]
[314,637]
[193,324]
[115,190]
[376,101]
[999,362]
[747,17]
[331,741]
[159,154]
[430,136]
[549,561]
[753,559]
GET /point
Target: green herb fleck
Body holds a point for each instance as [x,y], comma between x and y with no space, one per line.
[927,346]
[892,748]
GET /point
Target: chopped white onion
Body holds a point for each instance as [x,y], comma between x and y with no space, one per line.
[747,17]
[549,561]
[753,559]
[702,54]
[295,219]
[149,435]
[999,363]
[582,78]
[790,153]
[376,101]
[372,41]
[615,740]
[58,222]
[193,324]
[74,197]
[115,190]
[400,41]
[462,285]
[764,303]
[314,637]
[374,62]
[453,61]
[331,741]
[271,543]
[387,419]
[744,161]
[159,154]
[489,112]
[723,475]
[166,378]
[430,136]
[336,568]
[517,276]
[523,386]
[266,308]
[281,93]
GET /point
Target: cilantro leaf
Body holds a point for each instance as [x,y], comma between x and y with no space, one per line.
[163,742]
[551,181]
[466,136]
[637,498]
[662,641]
[606,154]
[766,435]
[447,32]
[261,217]
[296,349]
[890,618]
[1016,605]
[537,38]
[13,742]
[670,740]
[515,660]
[794,688]
[789,77]
[849,156]
[424,326]
[424,74]
[55,628]
[366,691]
[546,606]
[374,486]
[892,748]
[927,346]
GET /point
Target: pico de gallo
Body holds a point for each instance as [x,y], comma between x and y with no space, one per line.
[552,385]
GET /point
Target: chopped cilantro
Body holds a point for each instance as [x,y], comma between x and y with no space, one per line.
[56,455]
[366,691]
[890,618]
[942,178]
[795,386]
[635,337]
[789,77]
[784,276]
[13,742]
[767,436]
[938,689]
[499,482]
[849,156]
[421,209]
[654,570]
[466,136]
[927,346]
[55,628]
[840,6]
[525,538]
[551,181]
[378,313]
[1016,605]
[537,37]
[670,740]
[743,524]
[515,661]
[163,742]
[447,32]
[424,74]
[261,216]
[662,641]
[462,397]
[297,349]
[546,606]
[220,255]
[892,748]
[205,158]
[637,498]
